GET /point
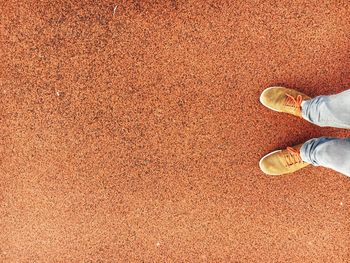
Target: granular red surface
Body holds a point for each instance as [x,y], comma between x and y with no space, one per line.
[131,131]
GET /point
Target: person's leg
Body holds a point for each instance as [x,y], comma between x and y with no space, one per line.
[332,153]
[330,111]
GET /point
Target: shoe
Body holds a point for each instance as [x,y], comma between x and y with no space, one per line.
[282,161]
[283,100]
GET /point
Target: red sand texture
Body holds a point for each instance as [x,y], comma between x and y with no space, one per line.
[136,136]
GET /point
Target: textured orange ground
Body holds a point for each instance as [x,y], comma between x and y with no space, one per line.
[131,131]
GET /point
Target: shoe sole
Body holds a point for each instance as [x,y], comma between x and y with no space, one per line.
[264,158]
[261,101]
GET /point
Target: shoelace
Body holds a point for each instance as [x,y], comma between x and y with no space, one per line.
[293,157]
[294,102]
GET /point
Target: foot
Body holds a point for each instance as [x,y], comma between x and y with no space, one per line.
[283,100]
[283,161]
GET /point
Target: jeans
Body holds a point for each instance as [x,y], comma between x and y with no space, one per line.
[328,111]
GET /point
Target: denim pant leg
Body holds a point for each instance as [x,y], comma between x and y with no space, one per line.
[332,153]
[330,111]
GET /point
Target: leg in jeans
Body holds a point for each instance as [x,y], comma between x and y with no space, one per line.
[328,152]
[330,111]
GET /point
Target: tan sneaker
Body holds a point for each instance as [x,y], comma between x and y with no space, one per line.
[282,161]
[283,100]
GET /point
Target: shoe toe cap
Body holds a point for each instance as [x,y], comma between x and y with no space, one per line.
[269,164]
[269,96]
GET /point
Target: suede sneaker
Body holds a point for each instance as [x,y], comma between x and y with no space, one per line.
[283,100]
[283,161]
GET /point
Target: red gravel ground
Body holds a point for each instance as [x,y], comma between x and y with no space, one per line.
[131,131]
